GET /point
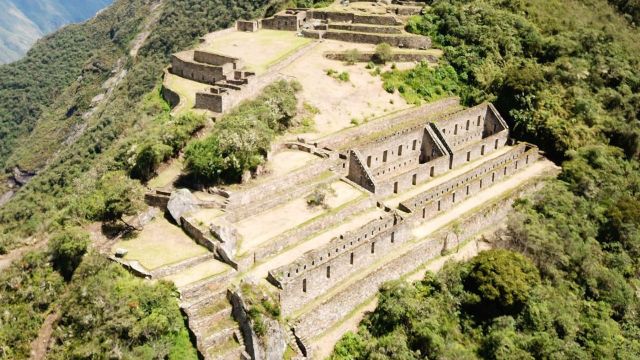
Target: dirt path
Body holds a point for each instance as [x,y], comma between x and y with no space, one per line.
[40,345]
[7,259]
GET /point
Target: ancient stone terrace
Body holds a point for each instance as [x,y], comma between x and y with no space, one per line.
[405,187]
[403,190]
[400,160]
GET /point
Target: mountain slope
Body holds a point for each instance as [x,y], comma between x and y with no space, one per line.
[24,22]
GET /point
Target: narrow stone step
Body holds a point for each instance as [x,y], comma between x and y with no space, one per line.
[230,349]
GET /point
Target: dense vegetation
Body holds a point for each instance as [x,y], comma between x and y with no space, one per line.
[572,297]
[108,136]
[107,313]
[565,284]
[85,154]
[241,140]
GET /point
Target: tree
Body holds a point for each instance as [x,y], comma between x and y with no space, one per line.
[115,196]
[67,249]
[498,282]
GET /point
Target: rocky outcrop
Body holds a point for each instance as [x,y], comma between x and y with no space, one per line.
[180,203]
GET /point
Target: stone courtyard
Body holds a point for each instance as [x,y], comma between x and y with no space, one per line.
[408,186]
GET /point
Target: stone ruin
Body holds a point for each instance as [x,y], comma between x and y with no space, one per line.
[409,170]
[231,83]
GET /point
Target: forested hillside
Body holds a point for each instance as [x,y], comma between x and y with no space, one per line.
[566,285]
[51,124]
[24,22]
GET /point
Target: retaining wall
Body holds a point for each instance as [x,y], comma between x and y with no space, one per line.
[339,16]
[321,269]
[396,57]
[350,135]
[338,307]
[367,28]
[401,41]
[443,197]
[278,244]
[204,73]
[170,96]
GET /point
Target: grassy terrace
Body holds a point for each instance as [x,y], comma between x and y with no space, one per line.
[259,50]
[160,244]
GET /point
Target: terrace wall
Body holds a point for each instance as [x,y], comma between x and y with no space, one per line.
[401,41]
[321,269]
[332,310]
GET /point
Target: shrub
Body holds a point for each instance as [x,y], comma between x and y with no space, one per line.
[344,76]
[240,140]
[352,56]
[67,248]
[383,53]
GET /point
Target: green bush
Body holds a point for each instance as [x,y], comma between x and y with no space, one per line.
[352,56]
[67,249]
[383,53]
[241,140]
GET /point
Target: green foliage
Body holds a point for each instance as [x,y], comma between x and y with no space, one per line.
[102,140]
[67,249]
[383,53]
[352,56]
[240,140]
[169,138]
[312,3]
[115,196]
[499,283]
[423,83]
[28,288]
[319,196]
[564,84]
[109,313]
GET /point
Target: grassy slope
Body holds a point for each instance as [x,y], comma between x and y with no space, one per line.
[109,132]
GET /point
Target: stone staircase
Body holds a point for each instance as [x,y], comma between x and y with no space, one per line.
[218,335]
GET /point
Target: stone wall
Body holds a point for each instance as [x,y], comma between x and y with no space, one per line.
[248,25]
[359,172]
[408,179]
[278,244]
[440,198]
[470,125]
[217,59]
[353,134]
[367,28]
[401,41]
[195,71]
[288,20]
[346,17]
[170,96]
[366,56]
[321,269]
[342,303]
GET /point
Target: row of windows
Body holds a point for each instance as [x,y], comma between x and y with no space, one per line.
[344,246]
[351,262]
[466,127]
[471,177]
[385,153]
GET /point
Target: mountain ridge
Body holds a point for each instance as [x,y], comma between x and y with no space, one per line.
[23,23]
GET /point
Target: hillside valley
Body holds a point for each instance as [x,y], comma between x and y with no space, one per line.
[22,23]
